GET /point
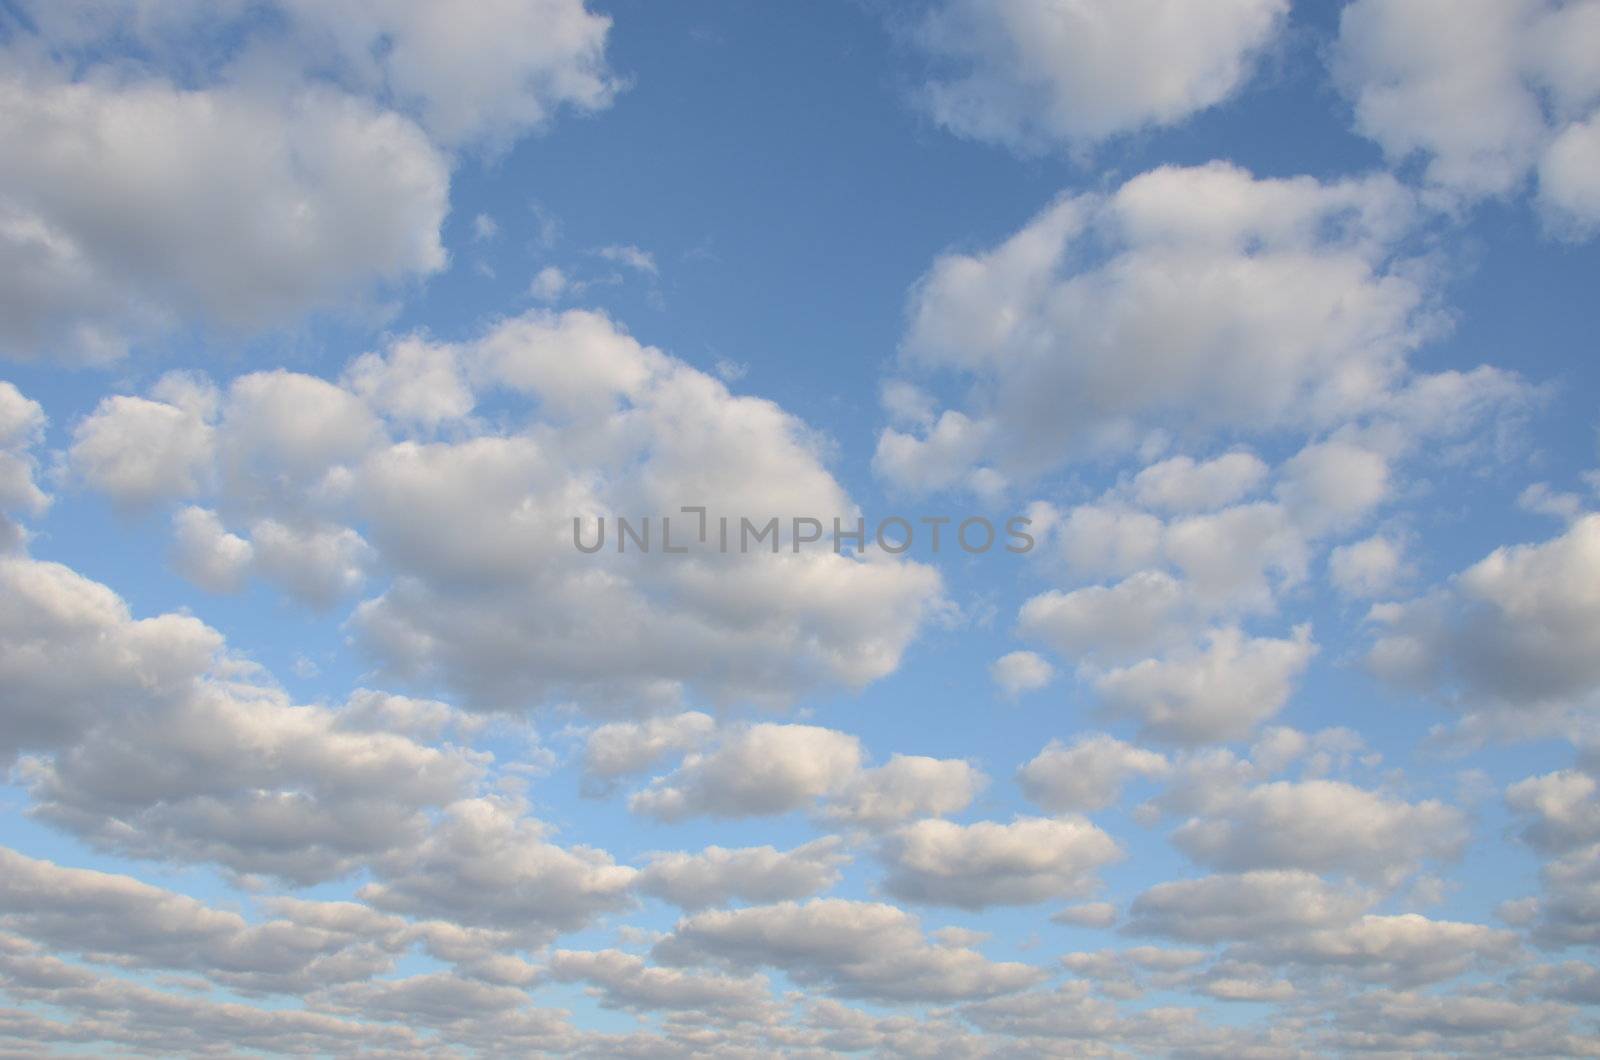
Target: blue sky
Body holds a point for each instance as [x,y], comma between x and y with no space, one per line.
[321,323]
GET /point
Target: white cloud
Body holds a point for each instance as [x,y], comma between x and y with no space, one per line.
[206,553]
[852,949]
[1367,568]
[1332,485]
[1217,693]
[335,121]
[1405,950]
[1504,93]
[102,914]
[1561,809]
[143,737]
[317,565]
[625,981]
[486,864]
[1512,640]
[1214,301]
[716,875]
[549,284]
[1021,671]
[1323,826]
[486,593]
[1568,189]
[413,381]
[1182,485]
[758,769]
[631,256]
[1146,611]
[986,864]
[139,451]
[619,748]
[905,787]
[1088,775]
[69,649]
[22,423]
[488,74]
[341,195]
[1031,75]
[1087,914]
[1251,905]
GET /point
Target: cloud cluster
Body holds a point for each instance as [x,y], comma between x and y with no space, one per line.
[319,486]
[1507,94]
[1031,75]
[1510,641]
[252,169]
[1200,299]
[771,768]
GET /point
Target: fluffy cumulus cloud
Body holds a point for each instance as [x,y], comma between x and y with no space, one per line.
[486,864]
[1088,774]
[313,485]
[762,769]
[404,765]
[1251,905]
[904,787]
[1198,299]
[121,218]
[1218,692]
[1021,671]
[1323,826]
[716,875]
[1407,950]
[1032,859]
[1031,75]
[624,981]
[1506,94]
[852,949]
[1366,568]
[142,736]
[1510,640]
[308,946]
[619,748]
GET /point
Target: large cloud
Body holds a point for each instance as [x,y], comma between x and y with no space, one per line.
[762,769]
[1249,905]
[339,194]
[486,864]
[486,591]
[121,919]
[1194,299]
[1216,693]
[853,949]
[1031,74]
[145,198]
[1088,774]
[1513,641]
[1506,91]
[144,737]
[1323,826]
[717,875]
[975,866]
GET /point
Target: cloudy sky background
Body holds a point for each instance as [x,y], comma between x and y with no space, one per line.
[320,320]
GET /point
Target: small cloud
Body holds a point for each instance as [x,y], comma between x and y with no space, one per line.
[630,256]
[484,228]
[1021,671]
[1088,914]
[731,371]
[549,284]
[549,233]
